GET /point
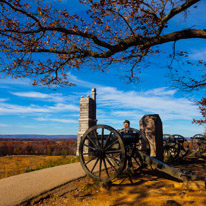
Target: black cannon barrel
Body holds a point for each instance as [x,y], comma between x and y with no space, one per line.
[130,138]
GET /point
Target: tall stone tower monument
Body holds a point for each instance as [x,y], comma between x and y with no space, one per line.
[87,115]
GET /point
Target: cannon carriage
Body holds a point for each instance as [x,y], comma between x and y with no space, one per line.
[105,153]
[199,143]
[176,147]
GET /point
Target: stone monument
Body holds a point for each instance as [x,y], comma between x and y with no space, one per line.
[151,126]
[87,115]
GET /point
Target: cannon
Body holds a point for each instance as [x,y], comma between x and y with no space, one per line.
[177,147]
[105,152]
[199,143]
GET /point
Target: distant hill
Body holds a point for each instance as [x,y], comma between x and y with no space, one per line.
[38,136]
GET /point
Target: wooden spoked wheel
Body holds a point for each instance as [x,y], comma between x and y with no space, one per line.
[102,153]
[135,141]
[171,148]
[199,143]
[183,145]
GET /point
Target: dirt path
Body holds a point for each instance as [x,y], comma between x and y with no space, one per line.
[149,188]
[19,189]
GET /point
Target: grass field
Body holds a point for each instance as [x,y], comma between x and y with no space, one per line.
[17,164]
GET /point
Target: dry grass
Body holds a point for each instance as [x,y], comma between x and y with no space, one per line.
[18,164]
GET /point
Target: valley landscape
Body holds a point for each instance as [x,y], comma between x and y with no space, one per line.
[20,155]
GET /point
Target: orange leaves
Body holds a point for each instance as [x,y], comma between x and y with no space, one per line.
[9,23]
[66,14]
[107,28]
[74,16]
[52,24]
[52,33]
[202,109]
[75,27]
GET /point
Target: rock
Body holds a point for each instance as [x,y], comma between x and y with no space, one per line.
[171,203]
[194,185]
[105,186]
[169,186]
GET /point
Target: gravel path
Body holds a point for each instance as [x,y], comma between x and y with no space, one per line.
[19,189]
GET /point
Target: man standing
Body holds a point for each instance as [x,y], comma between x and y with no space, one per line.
[125,131]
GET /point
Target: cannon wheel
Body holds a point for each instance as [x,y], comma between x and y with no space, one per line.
[183,145]
[199,143]
[133,158]
[102,153]
[171,148]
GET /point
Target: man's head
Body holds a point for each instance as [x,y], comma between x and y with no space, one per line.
[126,123]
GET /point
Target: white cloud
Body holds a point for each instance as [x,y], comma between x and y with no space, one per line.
[157,101]
[12,109]
[110,122]
[38,95]
[2,99]
[162,91]
[64,107]
[29,126]
[17,109]
[132,104]
[82,83]
[31,94]
[132,114]
[198,54]
[10,81]
[4,87]
[4,125]
[57,120]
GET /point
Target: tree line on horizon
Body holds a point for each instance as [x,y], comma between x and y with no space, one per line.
[52,147]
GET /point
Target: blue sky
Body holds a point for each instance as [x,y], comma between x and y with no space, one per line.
[25,109]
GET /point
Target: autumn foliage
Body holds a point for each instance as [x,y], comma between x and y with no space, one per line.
[44,42]
[37,146]
[202,108]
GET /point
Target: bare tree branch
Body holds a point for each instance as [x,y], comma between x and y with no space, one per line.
[69,40]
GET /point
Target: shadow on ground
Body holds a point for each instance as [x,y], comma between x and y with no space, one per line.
[147,187]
